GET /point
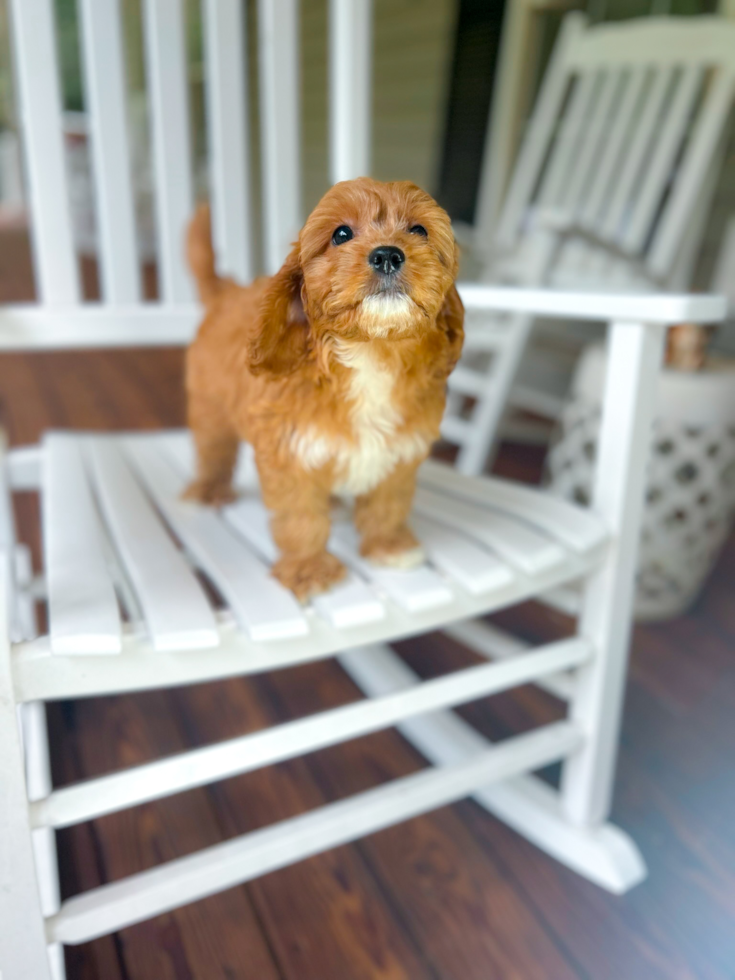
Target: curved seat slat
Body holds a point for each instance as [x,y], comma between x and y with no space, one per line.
[176,611]
[262,607]
[475,568]
[413,589]
[84,616]
[351,603]
[574,527]
[515,542]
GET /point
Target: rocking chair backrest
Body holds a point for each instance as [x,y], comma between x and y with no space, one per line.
[623,139]
[611,190]
[228,137]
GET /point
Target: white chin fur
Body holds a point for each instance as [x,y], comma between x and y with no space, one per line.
[384,313]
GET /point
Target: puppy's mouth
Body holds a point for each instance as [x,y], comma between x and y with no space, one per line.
[387,312]
[390,287]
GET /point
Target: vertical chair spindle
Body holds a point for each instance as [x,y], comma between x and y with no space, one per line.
[167,93]
[280,130]
[227,127]
[54,257]
[104,78]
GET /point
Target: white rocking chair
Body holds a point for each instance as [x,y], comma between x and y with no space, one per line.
[611,190]
[116,536]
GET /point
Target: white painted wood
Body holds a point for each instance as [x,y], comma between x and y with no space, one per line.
[704,140]
[460,559]
[476,449]
[199,767]
[113,906]
[24,467]
[84,617]
[7,542]
[261,606]
[536,141]
[519,35]
[467,381]
[25,595]
[22,939]
[516,543]
[608,170]
[574,527]
[567,147]
[54,256]
[280,137]
[636,152]
[661,41]
[32,327]
[659,165]
[496,644]
[176,611]
[414,589]
[591,152]
[350,104]
[630,396]
[603,854]
[104,74]
[663,308]
[351,603]
[456,430]
[38,785]
[167,93]
[227,127]
[40,676]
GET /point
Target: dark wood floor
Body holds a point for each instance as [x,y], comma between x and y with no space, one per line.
[451,896]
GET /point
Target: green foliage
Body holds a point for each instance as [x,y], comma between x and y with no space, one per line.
[68,53]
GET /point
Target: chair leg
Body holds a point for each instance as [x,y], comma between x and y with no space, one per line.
[23,949]
[635,353]
[604,854]
[38,784]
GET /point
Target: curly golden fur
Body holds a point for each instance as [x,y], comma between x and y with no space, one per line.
[334,373]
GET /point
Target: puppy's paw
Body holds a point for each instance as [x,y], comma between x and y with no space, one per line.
[397,550]
[213,494]
[307,577]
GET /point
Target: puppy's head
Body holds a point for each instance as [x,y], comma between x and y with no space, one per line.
[372,260]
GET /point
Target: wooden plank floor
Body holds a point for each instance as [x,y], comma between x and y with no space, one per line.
[451,896]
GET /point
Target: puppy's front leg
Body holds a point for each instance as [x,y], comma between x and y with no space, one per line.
[380,518]
[300,526]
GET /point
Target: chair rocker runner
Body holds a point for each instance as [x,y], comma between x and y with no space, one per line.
[117,536]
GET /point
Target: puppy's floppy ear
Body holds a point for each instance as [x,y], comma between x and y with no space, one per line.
[451,321]
[281,341]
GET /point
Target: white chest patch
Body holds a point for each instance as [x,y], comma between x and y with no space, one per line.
[363,463]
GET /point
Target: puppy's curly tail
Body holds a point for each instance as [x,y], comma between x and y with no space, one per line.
[200,255]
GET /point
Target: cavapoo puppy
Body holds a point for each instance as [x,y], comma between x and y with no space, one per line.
[334,370]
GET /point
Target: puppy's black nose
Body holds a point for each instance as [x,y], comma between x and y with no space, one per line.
[386,259]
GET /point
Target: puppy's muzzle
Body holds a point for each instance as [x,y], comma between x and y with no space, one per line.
[386,260]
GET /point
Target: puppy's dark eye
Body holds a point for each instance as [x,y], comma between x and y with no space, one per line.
[342,234]
[418,230]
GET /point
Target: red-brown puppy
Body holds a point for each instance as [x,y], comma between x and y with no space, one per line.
[334,370]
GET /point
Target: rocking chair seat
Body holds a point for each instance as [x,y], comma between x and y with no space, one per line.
[133,571]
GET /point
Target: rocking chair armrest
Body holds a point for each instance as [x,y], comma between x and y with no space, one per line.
[663,308]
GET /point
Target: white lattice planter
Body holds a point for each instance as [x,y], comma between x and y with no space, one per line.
[690,498]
